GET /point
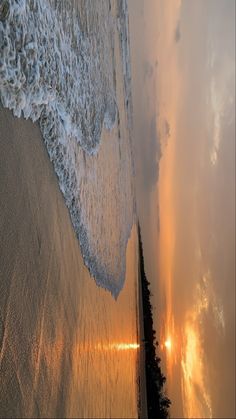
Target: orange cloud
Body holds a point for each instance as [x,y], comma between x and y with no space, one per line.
[197,402]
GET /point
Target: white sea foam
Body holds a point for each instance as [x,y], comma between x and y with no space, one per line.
[58,70]
[46,64]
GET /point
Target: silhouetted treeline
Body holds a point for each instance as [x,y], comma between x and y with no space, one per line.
[157,402]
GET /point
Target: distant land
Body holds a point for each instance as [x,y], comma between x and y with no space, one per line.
[158,403]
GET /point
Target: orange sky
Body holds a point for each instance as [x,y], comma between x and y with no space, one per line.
[190,156]
[183,63]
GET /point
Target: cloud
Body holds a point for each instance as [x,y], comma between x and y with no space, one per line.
[164,131]
[194,383]
[166,128]
[150,155]
[210,303]
[147,70]
[200,193]
[204,319]
[177,32]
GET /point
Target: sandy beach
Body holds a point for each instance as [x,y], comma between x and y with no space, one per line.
[35,232]
[50,307]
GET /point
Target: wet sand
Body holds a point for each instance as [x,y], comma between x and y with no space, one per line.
[37,282]
[47,294]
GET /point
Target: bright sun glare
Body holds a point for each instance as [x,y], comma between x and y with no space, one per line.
[168,344]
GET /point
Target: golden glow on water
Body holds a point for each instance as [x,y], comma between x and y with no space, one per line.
[115,346]
[125,346]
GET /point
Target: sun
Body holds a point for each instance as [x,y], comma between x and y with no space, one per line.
[168,344]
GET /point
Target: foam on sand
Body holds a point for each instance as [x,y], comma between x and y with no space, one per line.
[59,72]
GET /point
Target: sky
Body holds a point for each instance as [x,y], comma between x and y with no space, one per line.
[183,69]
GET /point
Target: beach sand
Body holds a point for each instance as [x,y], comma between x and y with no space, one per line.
[39,277]
[50,307]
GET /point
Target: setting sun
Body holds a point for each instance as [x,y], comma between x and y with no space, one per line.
[168,344]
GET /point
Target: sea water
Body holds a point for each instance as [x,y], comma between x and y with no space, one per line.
[66,65]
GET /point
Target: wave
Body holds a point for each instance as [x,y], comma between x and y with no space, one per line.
[57,68]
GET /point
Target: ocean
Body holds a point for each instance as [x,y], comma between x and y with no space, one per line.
[69,332]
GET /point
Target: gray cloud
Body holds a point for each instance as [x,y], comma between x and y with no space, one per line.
[167,128]
[166,132]
[147,70]
[150,154]
[177,32]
